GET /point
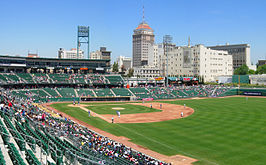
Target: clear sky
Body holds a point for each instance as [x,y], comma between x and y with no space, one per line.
[47,25]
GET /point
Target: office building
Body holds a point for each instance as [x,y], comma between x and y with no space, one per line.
[101,54]
[126,62]
[261,62]
[146,71]
[195,60]
[143,37]
[70,54]
[239,52]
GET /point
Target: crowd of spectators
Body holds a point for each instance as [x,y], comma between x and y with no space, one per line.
[85,138]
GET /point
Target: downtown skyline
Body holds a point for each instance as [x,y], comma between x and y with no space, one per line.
[46,26]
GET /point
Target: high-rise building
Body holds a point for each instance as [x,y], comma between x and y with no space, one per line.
[102,54]
[143,37]
[70,54]
[240,53]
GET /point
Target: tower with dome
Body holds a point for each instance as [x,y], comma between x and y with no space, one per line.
[143,37]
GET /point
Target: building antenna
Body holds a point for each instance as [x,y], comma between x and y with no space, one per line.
[143,17]
[188,41]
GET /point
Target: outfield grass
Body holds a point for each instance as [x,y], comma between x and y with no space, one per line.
[128,109]
[226,131]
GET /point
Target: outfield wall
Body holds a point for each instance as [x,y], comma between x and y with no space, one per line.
[252,92]
[246,92]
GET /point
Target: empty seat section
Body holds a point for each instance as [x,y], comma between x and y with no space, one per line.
[12,78]
[85,92]
[121,92]
[115,80]
[61,78]
[66,92]
[141,93]
[51,91]
[26,77]
[103,92]
[3,79]
[40,78]
[39,92]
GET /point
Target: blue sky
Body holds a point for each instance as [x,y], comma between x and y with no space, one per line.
[47,25]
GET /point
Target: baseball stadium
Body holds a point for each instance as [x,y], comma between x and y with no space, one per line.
[88,116]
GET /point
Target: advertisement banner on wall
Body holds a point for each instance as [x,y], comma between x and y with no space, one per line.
[147,99]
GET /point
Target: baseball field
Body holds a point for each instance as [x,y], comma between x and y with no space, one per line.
[224,131]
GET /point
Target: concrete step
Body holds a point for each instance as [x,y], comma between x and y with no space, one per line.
[5,152]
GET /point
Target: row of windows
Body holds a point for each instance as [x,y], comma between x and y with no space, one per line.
[148,71]
[237,50]
[216,70]
[215,59]
[216,64]
[239,60]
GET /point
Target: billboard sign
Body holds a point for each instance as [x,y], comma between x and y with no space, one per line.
[83,31]
[252,93]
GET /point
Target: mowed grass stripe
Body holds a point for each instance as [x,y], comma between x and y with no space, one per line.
[222,130]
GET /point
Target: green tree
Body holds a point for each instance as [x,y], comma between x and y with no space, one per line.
[251,71]
[261,69]
[115,67]
[130,72]
[242,70]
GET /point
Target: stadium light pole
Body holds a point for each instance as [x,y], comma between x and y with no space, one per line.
[167,39]
[83,38]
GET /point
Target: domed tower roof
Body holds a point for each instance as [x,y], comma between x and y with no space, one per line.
[143,26]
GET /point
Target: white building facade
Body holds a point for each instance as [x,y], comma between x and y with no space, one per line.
[146,71]
[96,55]
[199,61]
[126,62]
[239,52]
[191,61]
[155,54]
[70,54]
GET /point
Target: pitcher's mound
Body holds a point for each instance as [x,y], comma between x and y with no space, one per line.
[118,108]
